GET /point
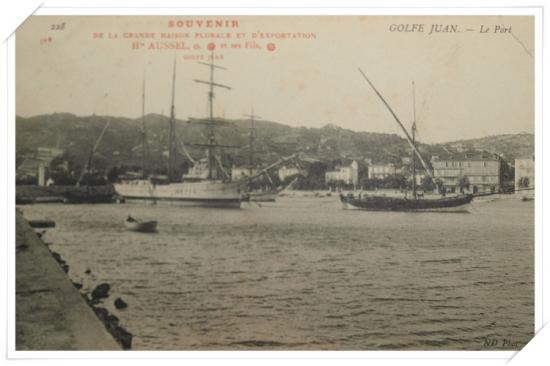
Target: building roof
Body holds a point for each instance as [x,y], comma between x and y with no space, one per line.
[470,155]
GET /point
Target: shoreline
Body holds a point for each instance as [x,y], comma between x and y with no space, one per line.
[51,314]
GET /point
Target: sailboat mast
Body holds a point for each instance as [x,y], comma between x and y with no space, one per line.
[211,122]
[143,133]
[211,139]
[89,162]
[413,133]
[172,126]
[409,139]
[251,142]
[251,138]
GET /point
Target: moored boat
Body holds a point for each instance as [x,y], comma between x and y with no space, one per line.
[270,193]
[89,194]
[87,197]
[215,190]
[380,203]
[415,202]
[207,193]
[133,224]
[264,196]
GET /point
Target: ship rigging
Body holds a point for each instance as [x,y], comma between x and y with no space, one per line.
[380,203]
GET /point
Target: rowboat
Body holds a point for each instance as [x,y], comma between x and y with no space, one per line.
[140,226]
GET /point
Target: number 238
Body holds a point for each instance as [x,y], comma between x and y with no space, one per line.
[60,26]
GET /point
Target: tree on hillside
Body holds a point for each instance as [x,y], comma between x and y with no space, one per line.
[315,177]
[395,181]
[370,183]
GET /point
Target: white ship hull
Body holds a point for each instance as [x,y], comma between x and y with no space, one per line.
[204,193]
[267,196]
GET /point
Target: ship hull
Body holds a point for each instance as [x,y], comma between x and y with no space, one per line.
[198,194]
[267,196]
[374,203]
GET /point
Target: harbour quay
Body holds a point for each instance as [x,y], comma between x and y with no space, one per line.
[50,312]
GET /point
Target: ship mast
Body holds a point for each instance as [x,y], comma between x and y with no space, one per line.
[211,122]
[409,139]
[171,134]
[413,133]
[89,162]
[143,133]
[251,138]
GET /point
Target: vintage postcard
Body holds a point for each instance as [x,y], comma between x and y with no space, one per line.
[320,182]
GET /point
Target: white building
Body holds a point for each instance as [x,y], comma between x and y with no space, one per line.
[381,171]
[347,174]
[289,171]
[39,164]
[479,171]
[524,176]
[43,155]
[241,172]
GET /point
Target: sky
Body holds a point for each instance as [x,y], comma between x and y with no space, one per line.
[296,70]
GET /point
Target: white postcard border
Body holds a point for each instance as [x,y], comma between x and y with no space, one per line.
[61,7]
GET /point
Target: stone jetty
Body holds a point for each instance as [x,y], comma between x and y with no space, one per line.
[50,312]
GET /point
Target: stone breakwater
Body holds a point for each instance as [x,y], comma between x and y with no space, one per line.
[51,314]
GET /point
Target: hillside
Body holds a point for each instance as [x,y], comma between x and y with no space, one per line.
[508,146]
[121,143]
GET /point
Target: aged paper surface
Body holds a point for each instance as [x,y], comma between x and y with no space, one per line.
[338,241]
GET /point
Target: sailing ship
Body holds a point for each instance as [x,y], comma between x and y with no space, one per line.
[271,192]
[213,191]
[90,194]
[417,202]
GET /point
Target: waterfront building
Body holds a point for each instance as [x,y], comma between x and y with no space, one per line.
[471,172]
[524,173]
[381,171]
[347,174]
[37,164]
[288,171]
[241,172]
[47,154]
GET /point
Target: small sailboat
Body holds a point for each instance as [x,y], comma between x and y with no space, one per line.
[269,194]
[458,203]
[133,224]
[90,194]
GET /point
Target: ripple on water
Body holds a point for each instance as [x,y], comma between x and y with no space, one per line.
[305,274]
